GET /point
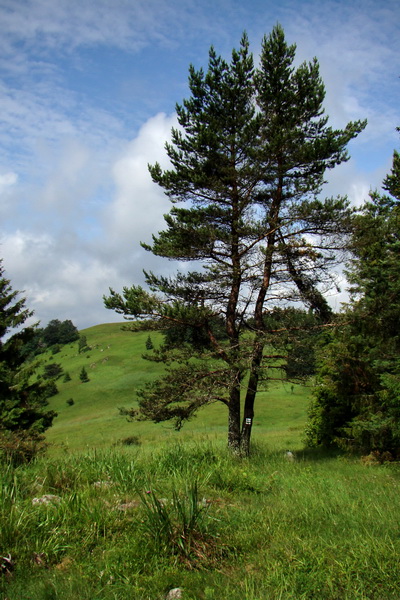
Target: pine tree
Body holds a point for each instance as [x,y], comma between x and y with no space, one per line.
[23,401]
[82,344]
[250,177]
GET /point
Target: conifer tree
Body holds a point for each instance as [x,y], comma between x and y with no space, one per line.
[248,161]
[83,376]
[356,401]
[23,401]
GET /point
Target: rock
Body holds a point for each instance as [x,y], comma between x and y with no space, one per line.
[7,566]
[174,594]
[128,505]
[105,484]
[47,499]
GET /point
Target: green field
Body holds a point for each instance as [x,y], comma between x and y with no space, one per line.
[116,369]
[176,510]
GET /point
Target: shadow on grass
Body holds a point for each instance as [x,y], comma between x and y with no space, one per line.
[261,452]
[319,454]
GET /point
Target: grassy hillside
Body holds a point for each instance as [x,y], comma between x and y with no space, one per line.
[116,369]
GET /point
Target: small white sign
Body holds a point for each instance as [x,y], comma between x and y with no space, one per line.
[248,421]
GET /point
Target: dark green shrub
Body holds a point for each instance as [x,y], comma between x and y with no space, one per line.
[83,376]
[20,447]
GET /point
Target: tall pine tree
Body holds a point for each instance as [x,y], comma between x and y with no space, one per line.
[248,161]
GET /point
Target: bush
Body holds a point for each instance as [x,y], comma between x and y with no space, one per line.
[20,447]
[132,440]
[52,371]
[51,389]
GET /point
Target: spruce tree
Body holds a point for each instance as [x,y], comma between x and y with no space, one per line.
[23,400]
[83,376]
[248,162]
[356,401]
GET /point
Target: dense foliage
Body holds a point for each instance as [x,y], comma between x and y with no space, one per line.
[357,400]
[23,400]
[59,332]
[249,161]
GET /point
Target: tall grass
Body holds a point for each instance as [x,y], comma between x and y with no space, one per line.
[322,527]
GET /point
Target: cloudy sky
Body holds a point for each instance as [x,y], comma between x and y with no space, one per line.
[87,96]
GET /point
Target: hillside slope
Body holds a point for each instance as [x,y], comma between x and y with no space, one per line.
[116,369]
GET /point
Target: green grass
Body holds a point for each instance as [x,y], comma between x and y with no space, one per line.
[320,527]
[132,522]
[116,369]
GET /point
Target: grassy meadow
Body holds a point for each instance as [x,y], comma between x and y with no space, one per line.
[116,368]
[175,510]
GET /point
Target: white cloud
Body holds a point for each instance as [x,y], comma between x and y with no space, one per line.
[120,23]
[64,274]
[7,179]
[357,46]
[55,284]
[139,204]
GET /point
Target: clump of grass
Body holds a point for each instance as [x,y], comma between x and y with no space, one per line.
[179,525]
[131,440]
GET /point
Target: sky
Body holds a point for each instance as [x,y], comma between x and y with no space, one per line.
[88,90]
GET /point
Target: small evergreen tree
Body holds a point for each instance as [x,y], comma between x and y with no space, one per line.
[82,344]
[83,376]
[149,343]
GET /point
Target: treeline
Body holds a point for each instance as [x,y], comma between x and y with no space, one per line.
[55,334]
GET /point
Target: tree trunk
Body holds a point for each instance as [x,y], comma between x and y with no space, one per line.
[234,436]
[252,386]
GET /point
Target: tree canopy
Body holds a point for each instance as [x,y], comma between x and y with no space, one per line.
[59,332]
[356,404]
[247,166]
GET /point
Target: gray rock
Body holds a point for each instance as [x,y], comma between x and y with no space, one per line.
[47,499]
[174,594]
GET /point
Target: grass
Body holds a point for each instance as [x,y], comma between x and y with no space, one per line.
[130,522]
[134,523]
[116,369]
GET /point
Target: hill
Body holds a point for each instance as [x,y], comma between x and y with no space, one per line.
[116,369]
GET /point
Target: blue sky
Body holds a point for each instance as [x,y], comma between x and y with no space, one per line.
[87,96]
